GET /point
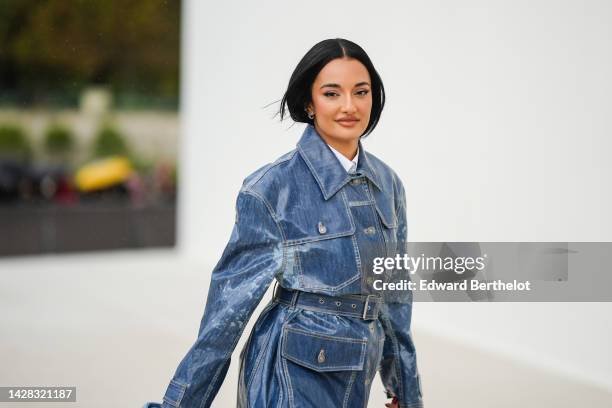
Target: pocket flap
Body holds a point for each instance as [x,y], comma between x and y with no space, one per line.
[321,352]
[318,221]
[386,212]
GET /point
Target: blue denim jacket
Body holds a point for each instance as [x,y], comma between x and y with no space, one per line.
[296,222]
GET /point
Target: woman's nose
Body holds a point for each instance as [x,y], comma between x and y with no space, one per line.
[348,105]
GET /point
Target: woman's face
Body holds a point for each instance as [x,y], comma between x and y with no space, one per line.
[342,102]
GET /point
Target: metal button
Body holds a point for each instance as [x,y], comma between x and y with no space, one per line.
[338,303]
[322,228]
[353,305]
[369,279]
[370,230]
[321,301]
[321,356]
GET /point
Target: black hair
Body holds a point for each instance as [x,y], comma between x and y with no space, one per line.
[298,93]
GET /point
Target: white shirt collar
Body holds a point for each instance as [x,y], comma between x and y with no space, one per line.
[346,163]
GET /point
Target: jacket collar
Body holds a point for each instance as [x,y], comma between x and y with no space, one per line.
[325,167]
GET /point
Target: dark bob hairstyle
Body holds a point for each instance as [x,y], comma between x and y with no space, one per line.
[298,94]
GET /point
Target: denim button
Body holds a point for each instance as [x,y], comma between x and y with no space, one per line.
[322,228]
[321,356]
[370,230]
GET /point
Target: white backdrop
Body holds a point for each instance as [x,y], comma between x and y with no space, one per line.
[498,120]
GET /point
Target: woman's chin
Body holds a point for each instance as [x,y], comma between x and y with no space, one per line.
[348,133]
[341,133]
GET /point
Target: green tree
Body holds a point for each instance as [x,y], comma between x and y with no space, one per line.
[64,45]
[13,143]
[59,140]
[109,141]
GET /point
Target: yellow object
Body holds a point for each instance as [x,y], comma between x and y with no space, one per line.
[103,173]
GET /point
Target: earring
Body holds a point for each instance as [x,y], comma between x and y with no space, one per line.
[310,114]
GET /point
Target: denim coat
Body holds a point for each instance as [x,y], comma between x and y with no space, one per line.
[306,222]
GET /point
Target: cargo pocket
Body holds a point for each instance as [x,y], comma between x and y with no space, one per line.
[321,370]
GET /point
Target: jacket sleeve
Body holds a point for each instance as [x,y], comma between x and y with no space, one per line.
[398,369]
[252,258]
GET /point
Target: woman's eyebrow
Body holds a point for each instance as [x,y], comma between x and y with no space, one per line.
[338,86]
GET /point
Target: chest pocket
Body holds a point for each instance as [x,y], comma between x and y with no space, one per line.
[385,209]
[395,245]
[320,237]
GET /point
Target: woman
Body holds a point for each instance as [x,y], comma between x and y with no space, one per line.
[311,220]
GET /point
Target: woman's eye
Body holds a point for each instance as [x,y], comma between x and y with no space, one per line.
[363,92]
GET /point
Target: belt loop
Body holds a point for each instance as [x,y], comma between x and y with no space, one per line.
[274,294]
[294,298]
[365,307]
[376,306]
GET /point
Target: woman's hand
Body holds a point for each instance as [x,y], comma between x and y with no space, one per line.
[393,404]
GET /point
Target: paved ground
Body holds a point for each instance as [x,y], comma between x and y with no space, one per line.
[116,325]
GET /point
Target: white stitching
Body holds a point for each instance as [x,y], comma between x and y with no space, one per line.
[182,387]
[270,166]
[348,389]
[326,336]
[312,170]
[286,371]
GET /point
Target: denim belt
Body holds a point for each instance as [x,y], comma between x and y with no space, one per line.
[365,307]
